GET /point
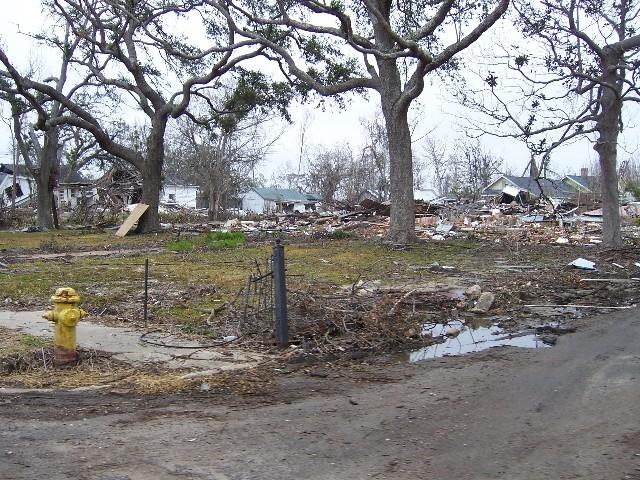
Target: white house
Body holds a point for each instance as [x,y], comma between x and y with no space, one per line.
[25,186]
[269,200]
[69,194]
[182,195]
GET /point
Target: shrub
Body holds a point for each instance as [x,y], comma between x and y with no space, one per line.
[342,235]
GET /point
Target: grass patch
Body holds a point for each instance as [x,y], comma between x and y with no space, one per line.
[181,246]
[12,343]
[209,241]
[342,235]
[218,240]
[221,262]
[29,342]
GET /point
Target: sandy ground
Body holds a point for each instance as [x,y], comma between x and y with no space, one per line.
[566,412]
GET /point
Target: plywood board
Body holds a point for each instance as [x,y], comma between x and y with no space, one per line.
[133,217]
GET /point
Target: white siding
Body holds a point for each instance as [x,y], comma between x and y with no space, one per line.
[183,195]
[25,186]
[69,195]
[500,184]
[252,202]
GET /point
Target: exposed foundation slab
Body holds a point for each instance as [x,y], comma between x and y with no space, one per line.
[125,345]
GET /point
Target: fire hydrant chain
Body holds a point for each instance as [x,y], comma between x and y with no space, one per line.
[65,315]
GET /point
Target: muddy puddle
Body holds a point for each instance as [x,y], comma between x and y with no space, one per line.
[460,339]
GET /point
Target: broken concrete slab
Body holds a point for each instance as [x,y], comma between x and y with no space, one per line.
[484,303]
[444,227]
[473,292]
[125,345]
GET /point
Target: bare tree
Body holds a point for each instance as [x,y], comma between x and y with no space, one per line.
[475,167]
[40,153]
[220,159]
[380,45]
[435,156]
[375,156]
[327,169]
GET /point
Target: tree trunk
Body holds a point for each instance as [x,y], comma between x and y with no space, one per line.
[212,199]
[152,177]
[402,229]
[608,127]
[44,220]
[216,208]
[45,180]
[402,221]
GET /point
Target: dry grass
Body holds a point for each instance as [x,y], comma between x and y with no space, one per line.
[27,362]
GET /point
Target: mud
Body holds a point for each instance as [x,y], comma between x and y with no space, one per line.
[563,413]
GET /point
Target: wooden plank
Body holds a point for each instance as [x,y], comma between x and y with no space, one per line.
[132,219]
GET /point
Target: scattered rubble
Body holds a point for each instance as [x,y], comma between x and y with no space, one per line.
[484,303]
[488,219]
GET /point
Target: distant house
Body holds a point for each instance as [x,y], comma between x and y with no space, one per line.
[270,200]
[583,183]
[523,189]
[182,195]
[69,195]
[73,189]
[25,185]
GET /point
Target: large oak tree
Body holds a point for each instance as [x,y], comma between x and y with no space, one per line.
[358,45]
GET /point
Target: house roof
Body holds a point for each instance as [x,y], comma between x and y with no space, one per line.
[589,183]
[7,169]
[66,175]
[550,188]
[286,195]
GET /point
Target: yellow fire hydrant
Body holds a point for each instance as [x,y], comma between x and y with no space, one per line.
[65,315]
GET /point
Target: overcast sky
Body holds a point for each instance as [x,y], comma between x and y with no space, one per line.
[436,114]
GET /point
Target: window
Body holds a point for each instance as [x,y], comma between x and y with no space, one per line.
[9,190]
[172,197]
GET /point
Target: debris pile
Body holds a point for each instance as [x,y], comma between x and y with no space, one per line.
[531,223]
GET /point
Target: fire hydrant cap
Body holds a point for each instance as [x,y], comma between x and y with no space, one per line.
[66,295]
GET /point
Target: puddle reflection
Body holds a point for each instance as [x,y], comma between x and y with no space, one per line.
[470,340]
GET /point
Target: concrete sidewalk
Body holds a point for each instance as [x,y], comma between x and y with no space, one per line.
[125,345]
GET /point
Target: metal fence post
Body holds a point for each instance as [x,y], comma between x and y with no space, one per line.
[145,311]
[280,296]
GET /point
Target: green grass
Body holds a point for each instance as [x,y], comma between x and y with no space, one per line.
[216,240]
[342,235]
[74,240]
[211,241]
[30,342]
[12,343]
[181,246]
[222,261]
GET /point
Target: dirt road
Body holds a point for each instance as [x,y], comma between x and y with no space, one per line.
[572,411]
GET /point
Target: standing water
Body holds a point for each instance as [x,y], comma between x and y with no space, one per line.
[470,340]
